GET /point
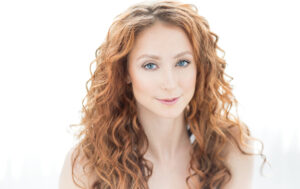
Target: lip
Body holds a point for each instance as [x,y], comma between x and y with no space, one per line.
[169,101]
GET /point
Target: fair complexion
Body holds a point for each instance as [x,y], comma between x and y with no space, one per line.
[161,66]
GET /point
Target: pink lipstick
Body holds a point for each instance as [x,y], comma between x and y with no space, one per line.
[169,101]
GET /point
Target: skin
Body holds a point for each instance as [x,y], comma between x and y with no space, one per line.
[163,77]
[164,125]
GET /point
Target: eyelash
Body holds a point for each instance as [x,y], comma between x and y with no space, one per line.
[187,61]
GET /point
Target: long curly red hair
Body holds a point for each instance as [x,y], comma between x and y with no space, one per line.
[112,139]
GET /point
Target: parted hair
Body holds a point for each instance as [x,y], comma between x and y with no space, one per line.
[111,137]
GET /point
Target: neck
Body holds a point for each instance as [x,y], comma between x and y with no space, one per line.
[167,137]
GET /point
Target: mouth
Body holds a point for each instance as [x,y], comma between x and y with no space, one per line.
[169,100]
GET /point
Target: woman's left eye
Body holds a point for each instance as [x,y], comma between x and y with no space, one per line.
[183,61]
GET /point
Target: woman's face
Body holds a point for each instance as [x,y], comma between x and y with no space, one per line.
[161,66]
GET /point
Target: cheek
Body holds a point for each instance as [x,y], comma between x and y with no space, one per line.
[142,85]
[188,81]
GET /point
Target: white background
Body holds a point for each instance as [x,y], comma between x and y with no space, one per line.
[46,48]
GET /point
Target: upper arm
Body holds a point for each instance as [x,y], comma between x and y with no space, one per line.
[65,179]
[241,168]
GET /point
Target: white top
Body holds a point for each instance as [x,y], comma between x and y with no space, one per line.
[192,138]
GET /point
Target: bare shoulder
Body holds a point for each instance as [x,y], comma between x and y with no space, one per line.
[66,180]
[240,165]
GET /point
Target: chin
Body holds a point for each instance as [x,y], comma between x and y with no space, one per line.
[170,114]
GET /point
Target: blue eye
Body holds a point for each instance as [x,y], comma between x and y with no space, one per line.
[184,61]
[149,65]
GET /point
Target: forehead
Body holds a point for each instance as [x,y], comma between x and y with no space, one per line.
[161,38]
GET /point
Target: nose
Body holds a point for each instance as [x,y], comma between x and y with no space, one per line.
[169,79]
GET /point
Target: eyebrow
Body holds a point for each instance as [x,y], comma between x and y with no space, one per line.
[157,57]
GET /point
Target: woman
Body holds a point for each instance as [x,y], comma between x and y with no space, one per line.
[157,113]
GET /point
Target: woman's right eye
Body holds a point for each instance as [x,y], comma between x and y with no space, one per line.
[149,67]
